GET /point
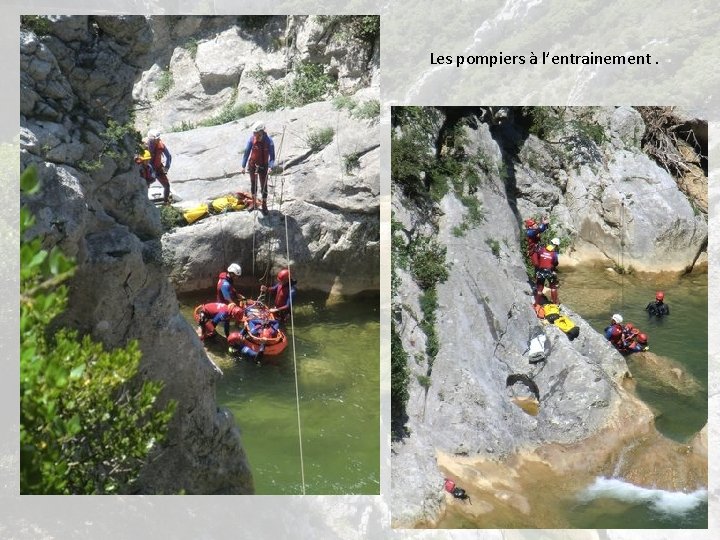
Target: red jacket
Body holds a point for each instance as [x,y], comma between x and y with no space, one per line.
[546,260]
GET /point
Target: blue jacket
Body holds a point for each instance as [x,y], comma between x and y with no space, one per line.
[271,150]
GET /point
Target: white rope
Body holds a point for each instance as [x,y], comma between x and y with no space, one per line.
[292,331]
[287,250]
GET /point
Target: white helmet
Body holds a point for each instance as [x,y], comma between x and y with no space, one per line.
[153,134]
[617,318]
[234,268]
[258,126]
[555,242]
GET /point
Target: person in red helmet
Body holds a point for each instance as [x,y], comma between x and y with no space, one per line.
[629,334]
[658,308]
[533,231]
[638,344]
[214,313]
[160,160]
[284,291]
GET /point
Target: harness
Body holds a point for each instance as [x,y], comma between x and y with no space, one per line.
[260,153]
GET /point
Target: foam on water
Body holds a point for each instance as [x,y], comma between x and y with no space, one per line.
[667,502]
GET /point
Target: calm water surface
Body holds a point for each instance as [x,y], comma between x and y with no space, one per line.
[337,352]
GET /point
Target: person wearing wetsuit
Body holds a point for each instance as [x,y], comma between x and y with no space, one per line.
[658,308]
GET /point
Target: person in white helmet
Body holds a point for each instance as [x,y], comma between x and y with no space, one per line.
[614,332]
[259,159]
[158,151]
[225,289]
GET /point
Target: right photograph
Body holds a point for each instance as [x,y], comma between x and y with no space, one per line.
[549,317]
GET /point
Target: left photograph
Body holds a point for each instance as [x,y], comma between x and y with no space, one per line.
[200,255]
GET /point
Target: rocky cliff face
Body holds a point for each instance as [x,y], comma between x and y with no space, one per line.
[469,410]
[329,195]
[78,82]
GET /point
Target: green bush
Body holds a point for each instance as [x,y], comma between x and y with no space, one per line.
[494,246]
[318,139]
[85,426]
[351,161]
[171,217]
[344,102]
[191,45]
[367,110]
[231,112]
[183,126]
[428,264]
[399,375]
[39,24]
[309,84]
[165,83]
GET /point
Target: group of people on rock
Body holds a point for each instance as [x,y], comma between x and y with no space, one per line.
[230,305]
[544,258]
[258,160]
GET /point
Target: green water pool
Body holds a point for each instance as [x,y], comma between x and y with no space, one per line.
[337,351]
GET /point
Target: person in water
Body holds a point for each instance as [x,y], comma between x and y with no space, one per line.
[614,332]
[639,343]
[284,291]
[658,308]
[215,313]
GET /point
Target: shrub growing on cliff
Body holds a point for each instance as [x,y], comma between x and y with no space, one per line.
[398,383]
[165,83]
[85,426]
[318,139]
[309,83]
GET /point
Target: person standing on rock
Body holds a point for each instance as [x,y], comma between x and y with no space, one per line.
[546,270]
[284,291]
[259,159]
[225,291]
[158,150]
[658,308]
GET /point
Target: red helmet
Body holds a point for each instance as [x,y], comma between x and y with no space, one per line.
[642,338]
[529,222]
[660,296]
[283,275]
[629,326]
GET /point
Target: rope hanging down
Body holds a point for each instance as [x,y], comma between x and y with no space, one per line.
[621,257]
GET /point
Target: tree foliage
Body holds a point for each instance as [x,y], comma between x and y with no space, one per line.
[86,427]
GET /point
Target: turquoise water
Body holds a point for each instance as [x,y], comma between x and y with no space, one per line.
[596,294]
[337,352]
